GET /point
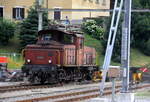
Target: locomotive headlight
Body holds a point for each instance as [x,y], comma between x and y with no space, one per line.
[28,60]
[49,61]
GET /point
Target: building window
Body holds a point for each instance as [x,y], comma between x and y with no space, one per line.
[104,3]
[90,0]
[97,1]
[57,14]
[18,13]
[1,11]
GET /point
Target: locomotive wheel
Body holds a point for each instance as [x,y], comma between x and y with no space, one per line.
[86,76]
[31,77]
[78,76]
[36,78]
[62,76]
[43,78]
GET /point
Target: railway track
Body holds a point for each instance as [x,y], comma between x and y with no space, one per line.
[77,96]
[29,86]
[72,96]
[24,87]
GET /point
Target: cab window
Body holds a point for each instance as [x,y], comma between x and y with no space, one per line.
[81,43]
[47,37]
[68,39]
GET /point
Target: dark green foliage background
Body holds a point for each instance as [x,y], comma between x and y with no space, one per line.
[7,29]
[141,26]
[117,47]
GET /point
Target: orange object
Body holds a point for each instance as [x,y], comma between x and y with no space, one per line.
[139,76]
[3,60]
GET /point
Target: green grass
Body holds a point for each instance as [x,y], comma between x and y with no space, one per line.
[15,63]
[145,93]
[137,58]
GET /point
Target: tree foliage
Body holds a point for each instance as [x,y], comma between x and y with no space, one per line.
[117,46]
[93,29]
[7,29]
[141,26]
[29,27]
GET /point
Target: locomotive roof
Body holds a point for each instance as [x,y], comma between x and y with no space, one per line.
[58,31]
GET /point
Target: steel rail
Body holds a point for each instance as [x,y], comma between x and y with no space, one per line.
[24,87]
[68,95]
[75,99]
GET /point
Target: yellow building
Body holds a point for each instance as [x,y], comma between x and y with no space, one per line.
[17,9]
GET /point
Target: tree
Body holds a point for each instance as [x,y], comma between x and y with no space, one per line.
[116,56]
[141,26]
[7,29]
[29,27]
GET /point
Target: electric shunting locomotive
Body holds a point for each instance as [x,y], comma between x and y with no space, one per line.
[59,56]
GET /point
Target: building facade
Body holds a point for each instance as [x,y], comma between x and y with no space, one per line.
[17,9]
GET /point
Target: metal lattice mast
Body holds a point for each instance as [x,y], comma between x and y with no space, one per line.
[125,50]
[111,40]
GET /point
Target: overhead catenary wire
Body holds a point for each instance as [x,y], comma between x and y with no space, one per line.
[91,10]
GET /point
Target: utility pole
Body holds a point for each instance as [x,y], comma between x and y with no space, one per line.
[40,14]
[125,50]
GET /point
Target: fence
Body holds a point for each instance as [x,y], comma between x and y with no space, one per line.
[15,60]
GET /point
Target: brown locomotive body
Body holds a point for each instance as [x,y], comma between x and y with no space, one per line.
[59,56]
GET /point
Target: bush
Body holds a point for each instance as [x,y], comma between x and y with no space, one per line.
[91,28]
[7,29]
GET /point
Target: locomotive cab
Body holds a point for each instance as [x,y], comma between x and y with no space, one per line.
[48,36]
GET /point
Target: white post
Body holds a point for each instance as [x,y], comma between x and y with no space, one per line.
[40,20]
[40,14]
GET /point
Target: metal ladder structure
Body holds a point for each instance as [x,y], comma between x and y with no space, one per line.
[111,40]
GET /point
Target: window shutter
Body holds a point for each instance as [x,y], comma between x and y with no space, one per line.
[14,13]
[1,12]
[22,13]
